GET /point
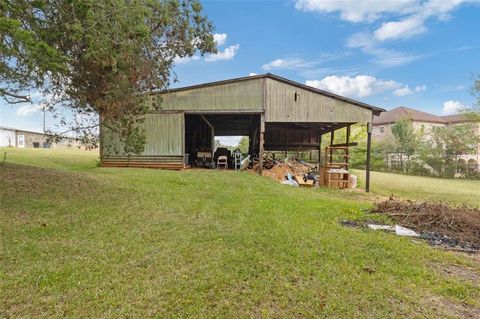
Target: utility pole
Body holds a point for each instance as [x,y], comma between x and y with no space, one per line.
[44,111]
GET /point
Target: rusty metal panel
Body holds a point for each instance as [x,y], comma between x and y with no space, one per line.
[287,103]
[233,97]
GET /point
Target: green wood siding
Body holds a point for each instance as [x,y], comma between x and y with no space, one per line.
[309,107]
[164,136]
[236,96]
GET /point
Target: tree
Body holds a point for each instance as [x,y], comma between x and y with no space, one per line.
[472,112]
[116,53]
[446,145]
[243,144]
[405,142]
[26,57]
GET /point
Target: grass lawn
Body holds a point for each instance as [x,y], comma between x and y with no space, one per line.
[82,241]
[459,191]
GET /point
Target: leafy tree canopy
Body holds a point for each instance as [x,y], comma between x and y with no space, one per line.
[98,57]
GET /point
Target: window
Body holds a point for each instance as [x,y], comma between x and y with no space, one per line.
[21,141]
[382,129]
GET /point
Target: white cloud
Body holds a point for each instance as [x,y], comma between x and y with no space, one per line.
[186,59]
[384,57]
[220,38]
[403,91]
[392,58]
[27,110]
[289,64]
[360,40]
[252,74]
[414,24]
[303,65]
[420,88]
[358,86]
[451,107]
[357,11]
[226,54]
[403,29]
[411,15]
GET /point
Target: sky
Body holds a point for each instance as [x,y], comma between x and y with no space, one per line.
[417,53]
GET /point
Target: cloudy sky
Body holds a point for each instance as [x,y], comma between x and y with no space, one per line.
[416,53]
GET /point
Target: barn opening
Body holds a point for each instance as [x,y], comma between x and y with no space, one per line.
[202,129]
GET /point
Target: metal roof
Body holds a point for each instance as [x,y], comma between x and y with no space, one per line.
[376,110]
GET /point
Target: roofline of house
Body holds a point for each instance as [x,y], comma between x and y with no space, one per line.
[20,130]
[34,132]
[424,121]
[376,110]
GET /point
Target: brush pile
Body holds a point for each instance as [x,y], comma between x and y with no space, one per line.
[437,222]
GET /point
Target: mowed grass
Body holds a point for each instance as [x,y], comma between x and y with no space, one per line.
[102,242]
[457,191]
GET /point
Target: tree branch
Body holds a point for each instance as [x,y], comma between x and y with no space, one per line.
[21,98]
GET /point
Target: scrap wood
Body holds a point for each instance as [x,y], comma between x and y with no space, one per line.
[441,221]
[279,169]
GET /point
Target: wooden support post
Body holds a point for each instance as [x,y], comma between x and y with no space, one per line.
[347,141]
[319,152]
[261,143]
[212,130]
[332,137]
[369,144]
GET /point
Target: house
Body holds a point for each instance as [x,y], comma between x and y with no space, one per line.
[276,114]
[382,128]
[13,137]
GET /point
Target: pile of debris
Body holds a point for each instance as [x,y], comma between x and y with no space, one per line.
[440,224]
[287,170]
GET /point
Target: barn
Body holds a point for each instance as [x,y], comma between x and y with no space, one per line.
[276,114]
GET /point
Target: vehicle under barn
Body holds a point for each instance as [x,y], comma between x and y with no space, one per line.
[276,114]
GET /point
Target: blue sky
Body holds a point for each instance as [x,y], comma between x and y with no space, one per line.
[421,54]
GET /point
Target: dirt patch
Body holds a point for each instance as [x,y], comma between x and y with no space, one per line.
[437,222]
[462,273]
[448,308]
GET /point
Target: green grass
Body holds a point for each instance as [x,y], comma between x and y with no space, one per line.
[458,191]
[78,240]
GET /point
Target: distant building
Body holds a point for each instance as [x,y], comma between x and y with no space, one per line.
[382,128]
[12,137]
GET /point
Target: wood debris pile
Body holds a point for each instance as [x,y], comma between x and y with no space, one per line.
[459,224]
[279,169]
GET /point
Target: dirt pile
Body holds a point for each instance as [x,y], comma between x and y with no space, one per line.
[437,222]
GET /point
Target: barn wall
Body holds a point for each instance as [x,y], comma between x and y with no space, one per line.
[164,134]
[244,95]
[309,107]
[164,137]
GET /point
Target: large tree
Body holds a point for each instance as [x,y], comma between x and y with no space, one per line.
[27,59]
[109,54]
